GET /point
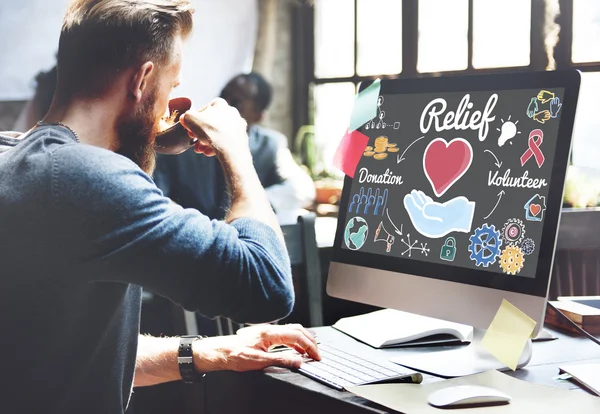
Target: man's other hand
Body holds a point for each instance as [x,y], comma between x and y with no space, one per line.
[249,349]
[219,128]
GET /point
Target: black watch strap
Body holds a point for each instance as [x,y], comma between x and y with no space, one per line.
[185,359]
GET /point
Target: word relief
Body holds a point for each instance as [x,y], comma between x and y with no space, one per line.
[461,119]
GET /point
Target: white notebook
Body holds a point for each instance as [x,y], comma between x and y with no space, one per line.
[391,328]
[587,374]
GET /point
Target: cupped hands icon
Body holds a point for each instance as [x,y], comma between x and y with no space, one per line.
[435,220]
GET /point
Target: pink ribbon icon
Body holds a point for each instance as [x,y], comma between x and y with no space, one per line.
[536,137]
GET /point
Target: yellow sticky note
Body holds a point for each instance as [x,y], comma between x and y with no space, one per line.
[508,333]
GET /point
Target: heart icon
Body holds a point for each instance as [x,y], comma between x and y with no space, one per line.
[535,209]
[445,162]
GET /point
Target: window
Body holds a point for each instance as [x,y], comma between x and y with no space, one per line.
[354,40]
[358,40]
[585,55]
[379,37]
[501,32]
[586,31]
[333,105]
[443,35]
[334,38]
[586,143]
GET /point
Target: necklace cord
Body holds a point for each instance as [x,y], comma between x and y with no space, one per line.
[57,123]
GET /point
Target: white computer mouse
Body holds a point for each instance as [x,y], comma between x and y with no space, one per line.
[467,395]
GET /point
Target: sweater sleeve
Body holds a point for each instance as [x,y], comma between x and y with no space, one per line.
[119,227]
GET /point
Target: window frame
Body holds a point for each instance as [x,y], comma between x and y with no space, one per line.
[304,59]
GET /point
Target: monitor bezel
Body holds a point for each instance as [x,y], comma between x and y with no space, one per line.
[538,286]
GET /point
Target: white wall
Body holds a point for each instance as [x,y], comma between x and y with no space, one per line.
[222,45]
[29,30]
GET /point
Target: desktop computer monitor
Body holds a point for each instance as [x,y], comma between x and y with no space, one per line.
[456,201]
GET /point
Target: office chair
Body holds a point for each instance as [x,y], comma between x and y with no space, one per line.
[301,243]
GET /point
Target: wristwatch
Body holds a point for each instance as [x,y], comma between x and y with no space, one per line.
[185,359]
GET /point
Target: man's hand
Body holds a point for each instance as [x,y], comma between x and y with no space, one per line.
[219,128]
[542,116]
[545,96]
[555,106]
[249,349]
[221,131]
[532,108]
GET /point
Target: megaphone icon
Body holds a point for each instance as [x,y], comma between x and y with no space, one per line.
[381,234]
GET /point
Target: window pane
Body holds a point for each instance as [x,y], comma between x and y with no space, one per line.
[334,38]
[332,104]
[586,145]
[443,28]
[586,31]
[379,37]
[501,33]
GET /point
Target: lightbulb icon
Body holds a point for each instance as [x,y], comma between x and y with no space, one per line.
[508,131]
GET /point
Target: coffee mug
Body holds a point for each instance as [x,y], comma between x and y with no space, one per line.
[175,139]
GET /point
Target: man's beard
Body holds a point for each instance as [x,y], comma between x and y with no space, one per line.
[137,134]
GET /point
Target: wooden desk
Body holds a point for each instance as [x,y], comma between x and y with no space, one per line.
[279,390]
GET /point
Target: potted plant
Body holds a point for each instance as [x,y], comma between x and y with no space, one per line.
[308,152]
[582,187]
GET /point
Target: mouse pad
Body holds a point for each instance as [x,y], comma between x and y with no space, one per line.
[526,397]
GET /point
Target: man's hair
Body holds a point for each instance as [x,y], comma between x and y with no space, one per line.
[261,91]
[100,38]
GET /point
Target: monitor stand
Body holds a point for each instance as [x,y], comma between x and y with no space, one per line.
[459,362]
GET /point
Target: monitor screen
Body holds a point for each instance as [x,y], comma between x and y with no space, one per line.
[455,178]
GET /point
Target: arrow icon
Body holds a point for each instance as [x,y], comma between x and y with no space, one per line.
[500,194]
[401,157]
[498,163]
[396,228]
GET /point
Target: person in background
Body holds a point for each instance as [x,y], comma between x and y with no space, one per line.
[36,107]
[84,228]
[198,182]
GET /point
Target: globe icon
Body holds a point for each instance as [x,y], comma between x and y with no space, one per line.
[356,233]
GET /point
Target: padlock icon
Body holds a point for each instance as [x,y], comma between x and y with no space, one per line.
[448,250]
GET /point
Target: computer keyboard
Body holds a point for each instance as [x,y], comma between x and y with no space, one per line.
[340,369]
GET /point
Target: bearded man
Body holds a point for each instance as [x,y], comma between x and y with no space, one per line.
[83,227]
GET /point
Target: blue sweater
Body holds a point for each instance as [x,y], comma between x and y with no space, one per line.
[81,230]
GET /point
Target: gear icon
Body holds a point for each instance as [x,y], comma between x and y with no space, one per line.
[512,260]
[527,246]
[485,245]
[513,231]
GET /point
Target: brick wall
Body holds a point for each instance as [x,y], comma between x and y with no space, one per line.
[273,59]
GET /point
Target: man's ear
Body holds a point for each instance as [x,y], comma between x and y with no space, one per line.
[139,80]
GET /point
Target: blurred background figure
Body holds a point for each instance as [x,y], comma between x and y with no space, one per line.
[36,108]
[196,181]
